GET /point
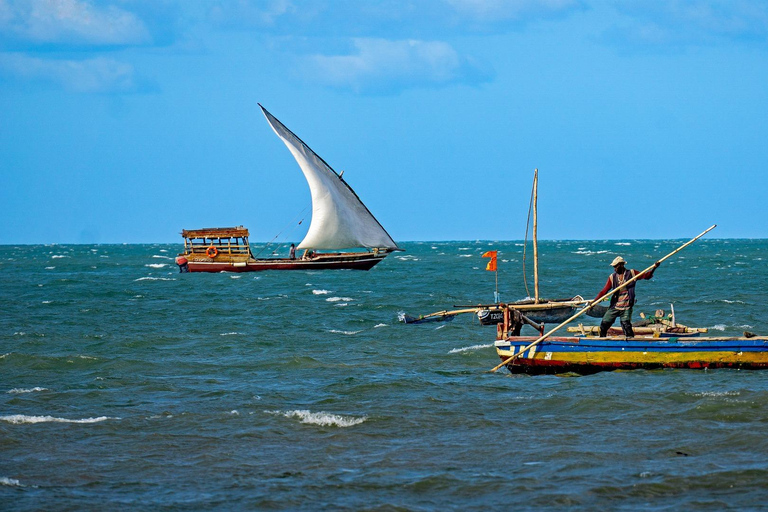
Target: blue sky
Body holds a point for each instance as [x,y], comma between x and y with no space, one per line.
[129,120]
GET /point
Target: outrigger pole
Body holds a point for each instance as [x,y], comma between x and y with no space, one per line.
[595,301]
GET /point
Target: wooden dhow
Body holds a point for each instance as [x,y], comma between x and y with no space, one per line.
[341,225]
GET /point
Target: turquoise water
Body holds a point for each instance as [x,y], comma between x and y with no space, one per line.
[127,385]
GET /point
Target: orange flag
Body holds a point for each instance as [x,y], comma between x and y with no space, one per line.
[491,264]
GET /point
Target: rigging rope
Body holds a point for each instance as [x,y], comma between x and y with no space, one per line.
[301,213]
[525,243]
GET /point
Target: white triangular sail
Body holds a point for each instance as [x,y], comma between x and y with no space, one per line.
[339,219]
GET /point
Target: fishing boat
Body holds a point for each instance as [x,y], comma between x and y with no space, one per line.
[343,233]
[550,354]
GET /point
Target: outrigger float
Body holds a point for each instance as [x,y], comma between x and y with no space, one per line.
[549,354]
[340,223]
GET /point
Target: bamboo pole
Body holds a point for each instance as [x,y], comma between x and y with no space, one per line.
[595,301]
[535,236]
[523,307]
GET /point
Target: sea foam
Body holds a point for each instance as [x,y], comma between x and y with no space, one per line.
[473,347]
[22,390]
[323,419]
[19,419]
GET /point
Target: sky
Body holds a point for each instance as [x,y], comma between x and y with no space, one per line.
[126,121]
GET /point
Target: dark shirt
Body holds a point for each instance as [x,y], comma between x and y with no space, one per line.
[609,283]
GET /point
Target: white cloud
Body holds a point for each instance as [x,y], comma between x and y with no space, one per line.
[381,65]
[92,75]
[71,22]
[512,10]
[242,12]
[690,22]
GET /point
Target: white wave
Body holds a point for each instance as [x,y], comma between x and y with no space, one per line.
[23,390]
[337,299]
[57,256]
[47,302]
[733,301]
[407,258]
[18,419]
[234,412]
[745,326]
[5,355]
[719,327]
[473,347]
[10,482]
[49,268]
[715,394]
[433,247]
[154,279]
[163,250]
[379,325]
[19,333]
[162,257]
[348,333]
[89,357]
[236,277]
[465,255]
[323,419]
[440,327]
[320,292]
[464,248]
[156,265]
[229,333]
[589,252]
[622,243]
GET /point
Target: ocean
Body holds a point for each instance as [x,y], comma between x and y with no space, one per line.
[125,385]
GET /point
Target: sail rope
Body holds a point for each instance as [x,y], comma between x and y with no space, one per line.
[291,223]
[525,243]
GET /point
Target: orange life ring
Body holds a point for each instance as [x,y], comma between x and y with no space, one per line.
[211,252]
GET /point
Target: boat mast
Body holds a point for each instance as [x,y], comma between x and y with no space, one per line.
[535,239]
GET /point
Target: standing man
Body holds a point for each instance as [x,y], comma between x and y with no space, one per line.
[293,252]
[622,302]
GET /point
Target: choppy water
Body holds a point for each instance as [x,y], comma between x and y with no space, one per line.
[125,384]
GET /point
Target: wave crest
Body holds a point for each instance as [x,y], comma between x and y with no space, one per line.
[324,419]
[19,419]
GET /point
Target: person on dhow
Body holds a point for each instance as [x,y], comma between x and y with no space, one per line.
[621,302]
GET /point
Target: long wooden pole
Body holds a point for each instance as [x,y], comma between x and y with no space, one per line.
[535,236]
[595,301]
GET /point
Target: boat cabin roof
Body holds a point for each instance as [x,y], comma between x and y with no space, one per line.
[235,232]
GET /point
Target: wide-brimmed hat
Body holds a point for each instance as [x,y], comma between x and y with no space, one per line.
[617,260]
